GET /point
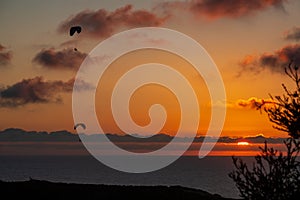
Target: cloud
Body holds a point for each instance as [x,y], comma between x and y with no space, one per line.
[81,85]
[61,59]
[254,103]
[293,34]
[276,61]
[2,47]
[5,55]
[214,9]
[103,23]
[36,90]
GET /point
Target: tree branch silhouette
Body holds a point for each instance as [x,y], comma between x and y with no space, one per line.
[275,175]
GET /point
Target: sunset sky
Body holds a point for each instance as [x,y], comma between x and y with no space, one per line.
[250,41]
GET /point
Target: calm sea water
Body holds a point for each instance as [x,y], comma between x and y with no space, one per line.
[209,174]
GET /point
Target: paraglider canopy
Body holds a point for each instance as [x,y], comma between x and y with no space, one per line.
[75,29]
[79,124]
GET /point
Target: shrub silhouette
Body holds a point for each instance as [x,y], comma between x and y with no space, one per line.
[275,175]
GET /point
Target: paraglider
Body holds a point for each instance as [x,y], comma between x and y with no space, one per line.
[74,29]
[79,124]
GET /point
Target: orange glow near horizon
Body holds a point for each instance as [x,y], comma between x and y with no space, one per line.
[243,143]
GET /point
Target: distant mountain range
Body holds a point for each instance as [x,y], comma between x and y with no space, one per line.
[20,135]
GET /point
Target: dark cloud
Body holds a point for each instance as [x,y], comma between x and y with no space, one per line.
[275,62]
[5,55]
[293,34]
[214,9]
[37,90]
[62,59]
[34,90]
[232,8]
[103,23]
[2,47]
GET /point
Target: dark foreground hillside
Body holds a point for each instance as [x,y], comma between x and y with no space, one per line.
[35,189]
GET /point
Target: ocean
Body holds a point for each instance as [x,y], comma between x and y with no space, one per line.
[209,174]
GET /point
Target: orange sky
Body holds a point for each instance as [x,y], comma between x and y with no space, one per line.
[33,34]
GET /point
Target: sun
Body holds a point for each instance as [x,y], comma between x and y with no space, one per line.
[243,143]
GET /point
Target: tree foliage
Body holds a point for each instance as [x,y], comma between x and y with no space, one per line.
[285,114]
[275,175]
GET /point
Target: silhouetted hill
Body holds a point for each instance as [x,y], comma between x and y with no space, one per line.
[255,139]
[35,189]
[19,135]
[14,134]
